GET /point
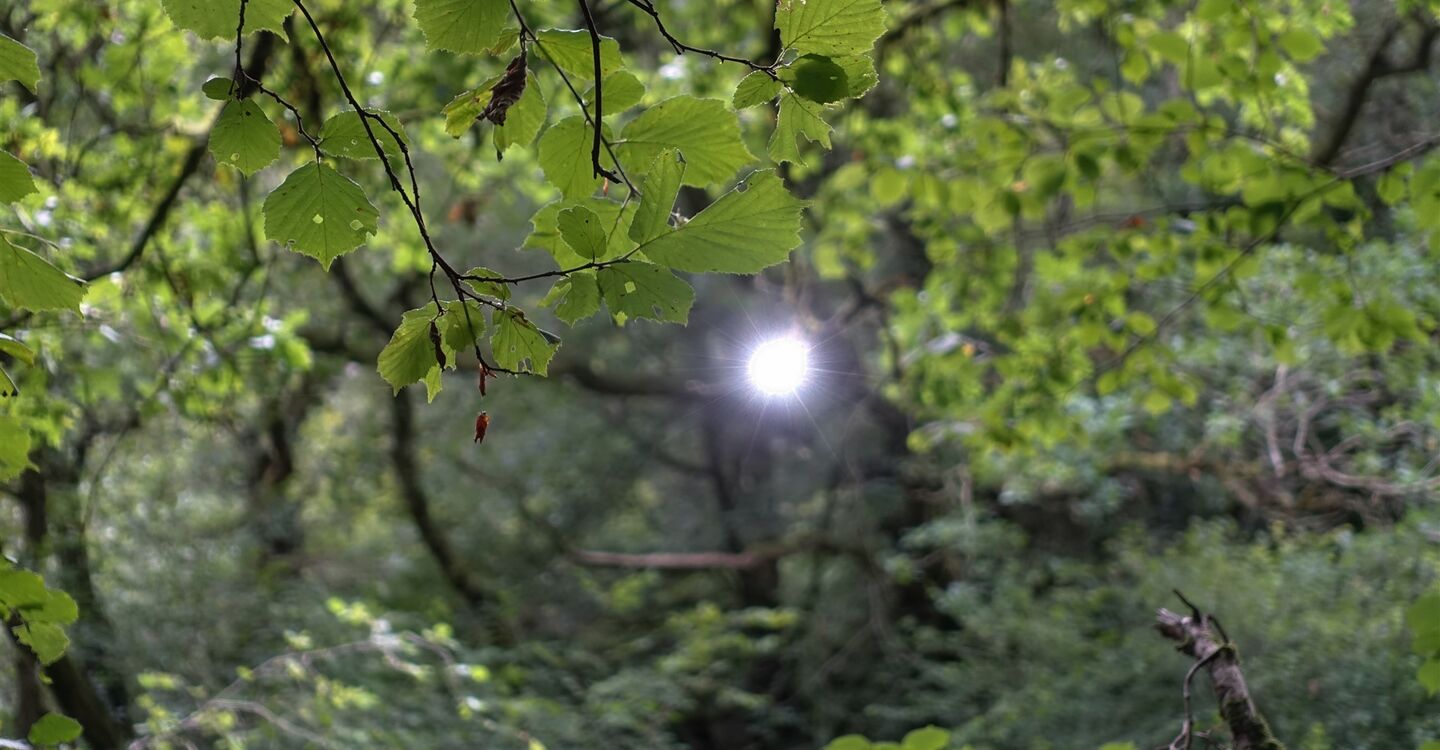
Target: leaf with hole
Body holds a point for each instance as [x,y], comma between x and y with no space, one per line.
[320,213]
[345,135]
[574,298]
[644,290]
[518,344]
[244,137]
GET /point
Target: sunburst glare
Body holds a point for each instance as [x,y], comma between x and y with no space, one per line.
[779,366]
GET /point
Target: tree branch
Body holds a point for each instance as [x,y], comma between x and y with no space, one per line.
[1378,67]
[1202,637]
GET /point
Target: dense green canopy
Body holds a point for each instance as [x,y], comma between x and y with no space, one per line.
[1101,300]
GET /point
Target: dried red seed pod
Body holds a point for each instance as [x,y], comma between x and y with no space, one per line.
[485,374]
[482,423]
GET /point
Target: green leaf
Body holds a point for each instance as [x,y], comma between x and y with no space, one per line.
[53,729]
[14,447]
[798,117]
[29,282]
[565,157]
[518,345]
[460,112]
[1424,615]
[7,387]
[645,290]
[750,228]
[756,88]
[1302,44]
[578,296]
[13,347]
[47,640]
[622,91]
[705,131]
[22,588]
[523,121]
[659,188]
[320,213]
[929,738]
[830,27]
[818,78]
[18,63]
[244,137]
[1429,676]
[58,609]
[569,49]
[471,27]
[345,135]
[497,289]
[461,327]
[218,89]
[582,231]
[849,742]
[1170,45]
[410,354]
[15,179]
[547,233]
[212,19]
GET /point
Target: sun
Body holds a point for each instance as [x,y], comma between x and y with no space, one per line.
[779,366]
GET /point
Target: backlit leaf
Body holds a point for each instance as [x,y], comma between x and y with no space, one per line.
[830,27]
[345,135]
[570,50]
[705,131]
[211,19]
[15,179]
[244,137]
[320,213]
[518,345]
[748,229]
[644,290]
[30,282]
[659,188]
[18,63]
[471,27]
[54,729]
[797,118]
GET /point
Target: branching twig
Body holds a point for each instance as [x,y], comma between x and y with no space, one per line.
[680,47]
[1201,636]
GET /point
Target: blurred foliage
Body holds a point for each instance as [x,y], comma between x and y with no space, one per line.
[1105,299]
